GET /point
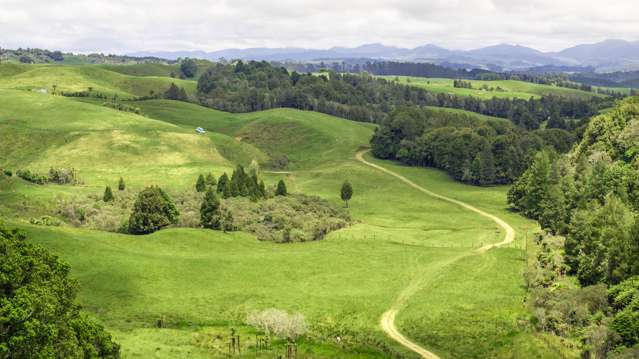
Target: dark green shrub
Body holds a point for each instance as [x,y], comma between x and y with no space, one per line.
[32,177]
[152,211]
[121,185]
[108,194]
[281,188]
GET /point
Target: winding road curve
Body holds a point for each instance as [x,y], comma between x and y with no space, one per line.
[387,321]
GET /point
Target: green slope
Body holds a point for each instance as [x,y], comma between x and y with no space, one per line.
[509,88]
[80,78]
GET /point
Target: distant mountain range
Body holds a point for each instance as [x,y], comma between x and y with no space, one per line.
[605,56]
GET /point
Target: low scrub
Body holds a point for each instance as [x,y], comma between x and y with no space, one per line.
[282,219]
[292,218]
[55,175]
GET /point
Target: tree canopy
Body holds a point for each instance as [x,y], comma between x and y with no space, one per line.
[153,210]
[39,317]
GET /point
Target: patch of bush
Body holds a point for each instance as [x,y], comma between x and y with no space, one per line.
[32,177]
[278,322]
[292,218]
[7,173]
[45,221]
[56,175]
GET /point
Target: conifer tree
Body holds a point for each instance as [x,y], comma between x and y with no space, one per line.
[222,183]
[200,185]
[108,194]
[210,214]
[121,184]
[346,192]
[281,189]
[210,180]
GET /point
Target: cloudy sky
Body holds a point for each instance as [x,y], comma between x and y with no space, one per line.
[121,26]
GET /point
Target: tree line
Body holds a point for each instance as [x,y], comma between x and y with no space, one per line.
[254,86]
[588,202]
[470,149]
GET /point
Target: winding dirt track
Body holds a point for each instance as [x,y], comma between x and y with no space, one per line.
[387,321]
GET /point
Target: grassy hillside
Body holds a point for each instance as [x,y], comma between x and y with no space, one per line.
[80,78]
[203,282]
[509,88]
[306,138]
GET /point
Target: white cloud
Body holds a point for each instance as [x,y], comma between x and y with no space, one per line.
[131,25]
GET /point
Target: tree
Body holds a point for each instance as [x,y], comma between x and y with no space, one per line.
[121,184]
[108,194]
[153,210]
[40,317]
[188,67]
[210,180]
[281,189]
[210,213]
[222,183]
[200,185]
[175,93]
[486,167]
[346,192]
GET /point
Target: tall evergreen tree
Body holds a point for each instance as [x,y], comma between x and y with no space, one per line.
[121,185]
[281,189]
[210,214]
[200,185]
[108,194]
[210,180]
[222,183]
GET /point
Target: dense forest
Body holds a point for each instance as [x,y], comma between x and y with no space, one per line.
[589,200]
[470,149]
[253,86]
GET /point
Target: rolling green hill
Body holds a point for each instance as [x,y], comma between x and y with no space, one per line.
[499,89]
[204,282]
[81,78]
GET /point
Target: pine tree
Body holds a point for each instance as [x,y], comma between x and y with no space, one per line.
[210,180]
[262,188]
[108,194]
[281,189]
[227,191]
[347,192]
[210,214]
[222,183]
[121,184]
[200,185]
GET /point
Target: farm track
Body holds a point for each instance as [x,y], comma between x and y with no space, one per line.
[387,321]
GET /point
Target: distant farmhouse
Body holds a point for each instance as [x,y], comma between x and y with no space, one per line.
[200,130]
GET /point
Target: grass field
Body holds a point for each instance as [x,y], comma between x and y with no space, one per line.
[204,282]
[81,77]
[509,88]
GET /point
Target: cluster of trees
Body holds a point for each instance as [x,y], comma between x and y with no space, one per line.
[591,197]
[40,316]
[603,321]
[176,93]
[462,84]
[242,184]
[470,149]
[254,86]
[188,67]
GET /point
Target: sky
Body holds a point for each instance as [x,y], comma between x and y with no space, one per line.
[118,26]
